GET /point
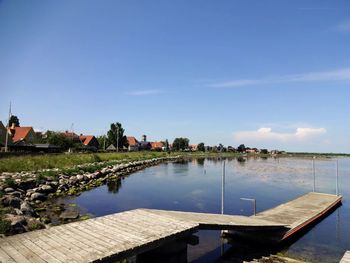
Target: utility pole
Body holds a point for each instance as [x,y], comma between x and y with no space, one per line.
[117,138]
[7,131]
[104,142]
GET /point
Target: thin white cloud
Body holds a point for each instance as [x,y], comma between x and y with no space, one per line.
[343,27]
[321,76]
[266,134]
[144,92]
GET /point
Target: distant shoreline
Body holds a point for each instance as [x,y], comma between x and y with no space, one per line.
[65,161]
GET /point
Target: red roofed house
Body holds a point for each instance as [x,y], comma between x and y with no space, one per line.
[133,144]
[71,135]
[193,147]
[157,146]
[22,134]
[89,140]
[3,132]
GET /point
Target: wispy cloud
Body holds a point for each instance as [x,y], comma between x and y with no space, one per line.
[266,134]
[343,27]
[320,76]
[144,92]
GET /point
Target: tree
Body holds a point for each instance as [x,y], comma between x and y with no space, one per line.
[116,136]
[180,144]
[241,148]
[166,145]
[264,151]
[13,119]
[59,139]
[201,147]
[102,142]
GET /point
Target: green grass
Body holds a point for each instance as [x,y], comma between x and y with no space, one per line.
[64,161]
[67,162]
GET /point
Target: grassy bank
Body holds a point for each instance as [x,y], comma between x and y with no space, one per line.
[63,161]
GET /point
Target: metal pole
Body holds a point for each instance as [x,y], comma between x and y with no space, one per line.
[117,138]
[223,188]
[313,172]
[336,181]
[7,131]
[254,207]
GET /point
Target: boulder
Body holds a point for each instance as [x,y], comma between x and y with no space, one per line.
[27,184]
[38,197]
[27,209]
[16,194]
[9,200]
[8,190]
[17,222]
[80,177]
[69,214]
[46,189]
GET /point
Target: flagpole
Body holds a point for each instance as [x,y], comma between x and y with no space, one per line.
[7,131]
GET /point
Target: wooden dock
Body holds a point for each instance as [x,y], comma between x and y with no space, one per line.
[114,237]
[121,235]
[346,258]
[296,215]
[301,212]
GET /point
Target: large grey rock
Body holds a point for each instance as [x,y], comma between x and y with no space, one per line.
[27,209]
[16,194]
[27,184]
[80,177]
[9,190]
[18,223]
[38,197]
[46,189]
[9,200]
[70,214]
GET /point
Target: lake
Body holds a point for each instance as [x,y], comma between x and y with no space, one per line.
[195,185]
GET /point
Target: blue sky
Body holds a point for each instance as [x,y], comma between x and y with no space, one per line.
[270,74]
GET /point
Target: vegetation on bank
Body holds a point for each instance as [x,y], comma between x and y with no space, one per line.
[68,162]
[64,161]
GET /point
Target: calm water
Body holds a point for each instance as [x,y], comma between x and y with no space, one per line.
[195,185]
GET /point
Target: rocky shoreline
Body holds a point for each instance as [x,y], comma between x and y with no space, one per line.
[24,197]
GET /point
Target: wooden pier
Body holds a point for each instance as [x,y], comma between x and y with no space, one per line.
[346,258]
[121,235]
[296,215]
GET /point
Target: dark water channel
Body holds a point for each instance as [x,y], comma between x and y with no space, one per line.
[195,185]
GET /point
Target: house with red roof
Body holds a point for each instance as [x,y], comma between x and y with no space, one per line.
[73,136]
[90,141]
[157,146]
[133,144]
[24,135]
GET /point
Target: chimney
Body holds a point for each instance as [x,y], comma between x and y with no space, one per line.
[13,126]
[144,138]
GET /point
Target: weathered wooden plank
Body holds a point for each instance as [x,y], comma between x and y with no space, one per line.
[13,252]
[55,252]
[38,250]
[89,238]
[27,253]
[346,258]
[5,258]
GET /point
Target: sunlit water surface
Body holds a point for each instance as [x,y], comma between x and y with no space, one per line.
[195,185]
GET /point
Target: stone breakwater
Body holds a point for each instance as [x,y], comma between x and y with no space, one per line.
[25,197]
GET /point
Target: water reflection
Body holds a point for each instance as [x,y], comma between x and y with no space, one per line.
[196,186]
[114,185]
